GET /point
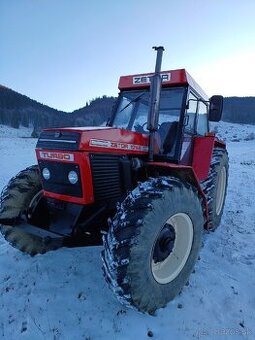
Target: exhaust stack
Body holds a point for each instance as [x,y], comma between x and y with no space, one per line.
[152,123]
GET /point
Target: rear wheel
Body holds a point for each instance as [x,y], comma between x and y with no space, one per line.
[21,198]
[153,243]
[215,186]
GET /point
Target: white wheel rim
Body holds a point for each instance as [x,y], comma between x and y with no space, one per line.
[220,194]
[167,270]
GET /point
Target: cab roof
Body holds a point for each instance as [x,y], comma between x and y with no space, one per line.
[169,78]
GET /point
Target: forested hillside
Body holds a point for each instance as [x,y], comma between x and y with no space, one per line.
[239,110]
[96,112]
[17,109]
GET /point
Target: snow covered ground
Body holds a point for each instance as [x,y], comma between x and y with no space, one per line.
[62,294]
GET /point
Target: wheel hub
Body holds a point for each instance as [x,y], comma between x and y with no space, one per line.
[164,244]
[172,248]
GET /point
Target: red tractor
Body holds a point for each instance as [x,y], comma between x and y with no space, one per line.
[150,181]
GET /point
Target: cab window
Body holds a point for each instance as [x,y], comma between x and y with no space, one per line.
[202,119]
[190,116]
[133,108]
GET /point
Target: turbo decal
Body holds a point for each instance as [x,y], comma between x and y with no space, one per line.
[117,145]
[68,157]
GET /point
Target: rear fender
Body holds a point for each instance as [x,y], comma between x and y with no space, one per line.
[185,173]
[202,154]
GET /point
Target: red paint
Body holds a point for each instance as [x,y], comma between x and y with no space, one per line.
[170,165]
[82,159]
[119,140]
[177,78]
[182,169]
[202,155]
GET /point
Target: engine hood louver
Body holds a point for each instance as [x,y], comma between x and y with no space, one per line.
[59,140]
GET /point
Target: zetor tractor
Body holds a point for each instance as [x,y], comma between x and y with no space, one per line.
[149,181]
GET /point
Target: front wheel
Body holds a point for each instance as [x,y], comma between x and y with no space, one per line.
[153,243]
[21,196]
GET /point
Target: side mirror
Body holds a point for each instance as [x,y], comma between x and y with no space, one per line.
[215,108]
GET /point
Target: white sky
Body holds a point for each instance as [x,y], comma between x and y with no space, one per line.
[230,76]
[64,53]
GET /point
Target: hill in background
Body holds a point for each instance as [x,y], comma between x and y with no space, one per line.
[17,109]
[239,110]
[95,113]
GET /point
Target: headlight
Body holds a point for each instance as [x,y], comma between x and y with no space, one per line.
[46,173]
[73,177]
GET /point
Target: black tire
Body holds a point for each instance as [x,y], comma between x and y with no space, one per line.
[131,243]
[214,187]
[15,200]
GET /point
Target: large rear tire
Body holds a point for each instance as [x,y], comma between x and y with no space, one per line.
[153,243]
[215,187]
[16,198]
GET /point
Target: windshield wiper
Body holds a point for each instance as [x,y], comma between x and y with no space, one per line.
[133,101]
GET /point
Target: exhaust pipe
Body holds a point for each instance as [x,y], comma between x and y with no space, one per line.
[155,89]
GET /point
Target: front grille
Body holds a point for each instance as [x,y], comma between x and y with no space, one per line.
[58,182]
[59,140]
[106,176]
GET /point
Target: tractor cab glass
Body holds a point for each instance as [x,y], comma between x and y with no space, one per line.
[133,108]
[196,116]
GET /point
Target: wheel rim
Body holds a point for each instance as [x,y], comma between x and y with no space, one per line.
[221,190]
[167,269]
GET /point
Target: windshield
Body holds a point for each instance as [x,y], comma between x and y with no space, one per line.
[133,108]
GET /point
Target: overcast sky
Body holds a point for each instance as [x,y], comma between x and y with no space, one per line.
[65,52]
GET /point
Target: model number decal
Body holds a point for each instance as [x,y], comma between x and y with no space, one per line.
[146,79]
[68,157]
[117,145]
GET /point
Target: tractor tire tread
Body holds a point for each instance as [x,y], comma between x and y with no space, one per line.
[124,229]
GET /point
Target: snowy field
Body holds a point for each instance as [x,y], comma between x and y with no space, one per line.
[62,294]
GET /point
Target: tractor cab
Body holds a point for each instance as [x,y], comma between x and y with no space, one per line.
[183,112]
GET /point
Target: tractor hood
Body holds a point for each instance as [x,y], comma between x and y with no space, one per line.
[94,139]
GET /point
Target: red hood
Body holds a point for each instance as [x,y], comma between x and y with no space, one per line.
[108,139]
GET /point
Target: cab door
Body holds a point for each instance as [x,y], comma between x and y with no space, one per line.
[189,129]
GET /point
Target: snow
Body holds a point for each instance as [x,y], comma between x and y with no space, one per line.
[17,152]
[62,294]
[234,132]
[11,132]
